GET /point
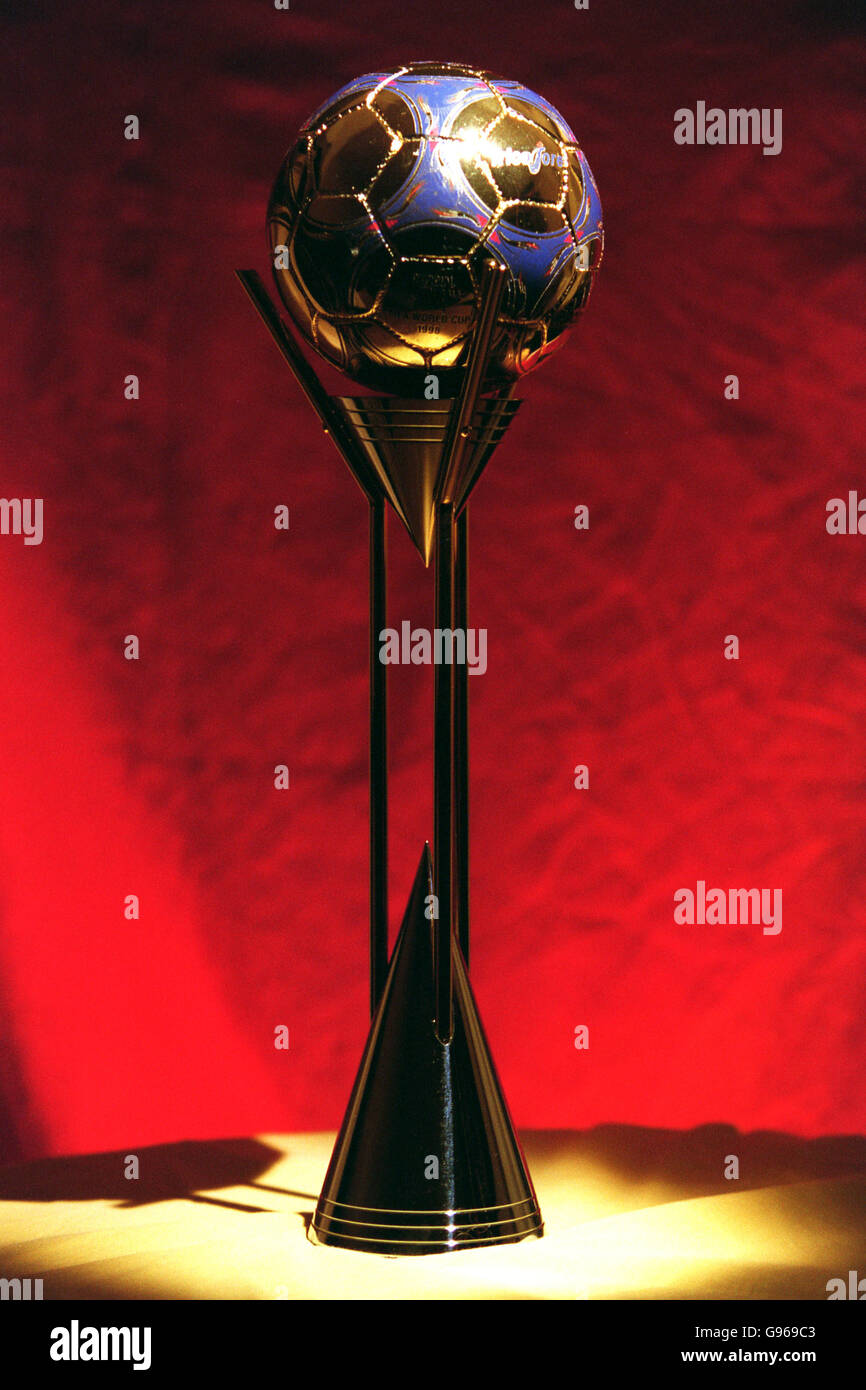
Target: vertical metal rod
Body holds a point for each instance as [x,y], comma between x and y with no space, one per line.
[333,421]
[378,756]
[461,736]
[443,774]
[445,844]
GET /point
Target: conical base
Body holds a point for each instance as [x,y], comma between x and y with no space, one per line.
[403,443]
[427,1159]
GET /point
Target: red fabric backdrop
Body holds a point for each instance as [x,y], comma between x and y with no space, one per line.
[605,647]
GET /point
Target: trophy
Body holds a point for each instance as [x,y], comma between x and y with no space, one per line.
[434,231]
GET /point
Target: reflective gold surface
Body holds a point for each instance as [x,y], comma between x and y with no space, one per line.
[403,442]
[392,196]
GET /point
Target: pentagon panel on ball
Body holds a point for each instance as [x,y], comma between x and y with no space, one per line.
[396,191]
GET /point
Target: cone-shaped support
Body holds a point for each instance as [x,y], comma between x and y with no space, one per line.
[404,443]
[427,1159]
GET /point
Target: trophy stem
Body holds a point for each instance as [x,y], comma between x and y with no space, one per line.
[378,757]
[451,773]
[334,422]
[443,775]
[461,736]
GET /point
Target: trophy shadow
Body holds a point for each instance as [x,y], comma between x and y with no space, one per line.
[693,1162]
[190,1169]
[622,1203]
[687,1163]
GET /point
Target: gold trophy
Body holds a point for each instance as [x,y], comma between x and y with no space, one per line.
[434,230]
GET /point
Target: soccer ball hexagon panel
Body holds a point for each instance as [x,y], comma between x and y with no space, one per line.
[392,195]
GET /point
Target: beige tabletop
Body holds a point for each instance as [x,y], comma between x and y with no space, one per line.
[629,1213]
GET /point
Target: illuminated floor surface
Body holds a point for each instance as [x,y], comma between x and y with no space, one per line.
[628,1214]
